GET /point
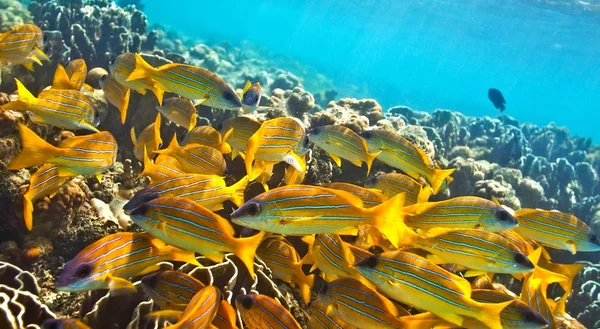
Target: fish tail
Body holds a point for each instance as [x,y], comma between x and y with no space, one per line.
[172,148]
[61,79]
[237,191]
[246,249]
[34,150]
[180,255]
[306,285]
[388,219]
[28,212]
[133,138]
[250,150]
[40,54]
[124,105]
[157,139]
[490,314]
[142,70]
[370,158]
[439,176]
[193,121]
[25,95]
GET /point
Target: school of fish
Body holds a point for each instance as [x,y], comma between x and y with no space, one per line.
[378,256]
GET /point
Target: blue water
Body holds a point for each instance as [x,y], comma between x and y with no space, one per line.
[543,55]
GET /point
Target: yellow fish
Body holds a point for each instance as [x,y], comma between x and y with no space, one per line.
[393,183]
[149,140]
[261,311]
[197,159]
[251,97]
[285,263]
[556,229]
[369,196]
[483,282]
[534,294]
[342,143]
[279,139]
[466,212]
[399,153]
[64,323]
[200,312]
[478,250]
[243,128]
[160,171]
[21,45]
[68,109]
[88,155]
[209,191]
[122,66]
[179,110]
[333,257]
[305,209]
[171,290]
[116,94]
[45,181]
[108,262]
[415,281]
[188,225]
[318,318]
[208,136]
[191,82]
[72,77]
[370,237]
[352,302]
[517,315]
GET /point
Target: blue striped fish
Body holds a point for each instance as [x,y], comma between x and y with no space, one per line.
[116,94]
[148,141]
[517,315]
[200,311]
[415,281]
[277,140]
[88,155]
[251,97]
[68,109]
[196,158]
[72,77]
[21,45]
[556,229]
[342,143]
[45,181]
[399,153]
[478,250]
[108,262]
[209,191]
[318,318]
[179,110]
[261,311]
[370,197]
[160,171]
[171,290]
[122,66]
[466,212]
[208,136]
[390,184]
[305,209]
[188,225]
[243,128]
[533,294]
[191,82]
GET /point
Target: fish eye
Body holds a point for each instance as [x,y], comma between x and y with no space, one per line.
[51,324]
[366,134]
[219,127]
[45,37]
[369,262]
[534,317]
[594,238]
[306,141]
[228,96]
[104,77]
[324,288]
[375,249]
[521,259]
[112,60]
[151,280]
[247,302]
[83,271]
[503,215]
[315,131]
[253,209]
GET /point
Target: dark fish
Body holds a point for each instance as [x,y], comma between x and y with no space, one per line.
[496,97]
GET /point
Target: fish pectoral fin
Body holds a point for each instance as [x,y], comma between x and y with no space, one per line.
[66,172]
[165,315]
[295,161]
[99,178]
[336,159]
[119,286]
[435,259]
[357,163]
[149,269]
[572,247]
[197,102]
[473,273]
[296,220]
[331,308]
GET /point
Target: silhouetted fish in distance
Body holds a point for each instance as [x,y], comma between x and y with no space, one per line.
[497,98]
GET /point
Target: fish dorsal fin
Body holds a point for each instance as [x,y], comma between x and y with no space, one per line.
[227,134]
[61,79]
[494,200]
[246,87]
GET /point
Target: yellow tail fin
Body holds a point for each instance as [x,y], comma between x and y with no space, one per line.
[159,93]
[34,150]
[236,191]
[370,158]
[246,249]
[28,212]
[124,105]
[305,285]
[61,79]
[250,150]
[24,95]
[424,194]
[181,255]
[173,147]
[490,314]
[439,176]
[157,139]
[133,138]
[387,219]
[142,70]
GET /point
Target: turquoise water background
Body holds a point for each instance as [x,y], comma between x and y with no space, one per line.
[543,55]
